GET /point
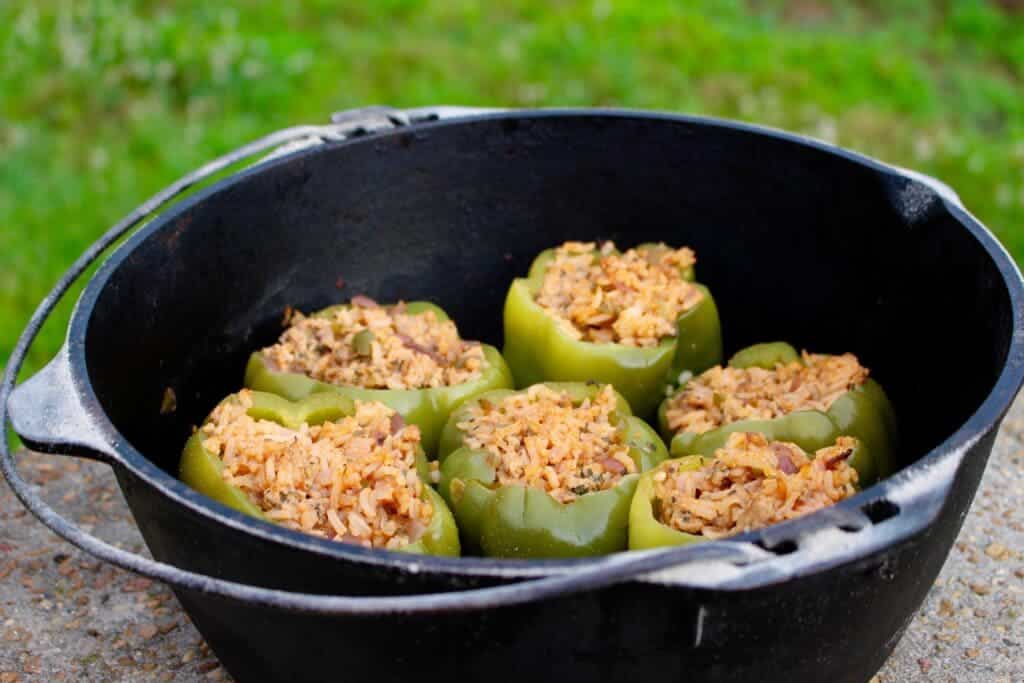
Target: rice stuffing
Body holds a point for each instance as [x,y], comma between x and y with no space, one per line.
[352,480]
[721,396]
[538,438]
[377,347]
[752,483]
[634,298]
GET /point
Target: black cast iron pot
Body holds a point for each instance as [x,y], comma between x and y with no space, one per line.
[798,240]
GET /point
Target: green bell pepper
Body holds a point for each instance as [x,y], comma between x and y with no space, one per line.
[428,408]
[864,413]
[645,530]
[201,469]
[523,522]
[538,348]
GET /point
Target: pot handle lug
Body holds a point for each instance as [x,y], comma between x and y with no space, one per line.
[891,512]
[447,111]
[48,413]
[368,120]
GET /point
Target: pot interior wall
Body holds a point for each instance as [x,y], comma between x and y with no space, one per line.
[795,243]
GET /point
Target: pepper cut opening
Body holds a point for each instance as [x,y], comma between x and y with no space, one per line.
[632,298]
[377,347]
[751,483]
[539,438]
[353,479]
[722,395]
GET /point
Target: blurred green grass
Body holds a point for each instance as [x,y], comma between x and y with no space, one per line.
[103,102]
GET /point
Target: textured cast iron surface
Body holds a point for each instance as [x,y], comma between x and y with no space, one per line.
[796,242]
[836,626]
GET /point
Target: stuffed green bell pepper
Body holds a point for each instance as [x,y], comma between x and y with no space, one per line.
[750,483]
[347,470]
[545,472]
[588,312]
[408,356]
[808,399]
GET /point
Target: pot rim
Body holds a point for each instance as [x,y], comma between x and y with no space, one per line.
[941,460]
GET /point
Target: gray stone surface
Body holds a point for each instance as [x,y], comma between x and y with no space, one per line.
[66,617]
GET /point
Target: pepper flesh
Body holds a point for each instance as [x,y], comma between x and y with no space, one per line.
[201,469]
[538,349]
[523,522]
[428,408]
[645,529]
[863,412]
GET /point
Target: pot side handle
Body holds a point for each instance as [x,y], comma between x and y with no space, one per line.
[49,415]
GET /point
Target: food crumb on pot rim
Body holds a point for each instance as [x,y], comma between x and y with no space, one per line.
[353,479]
[377,347]
[751,483]
[722,395]
[632,298]
[539,438]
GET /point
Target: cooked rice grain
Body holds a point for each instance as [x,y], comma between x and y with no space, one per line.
[377,347]
[538,438]
[752,483]
[633,298]
[721,396]
[352,479]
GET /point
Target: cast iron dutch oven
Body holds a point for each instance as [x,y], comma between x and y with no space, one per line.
[798,240]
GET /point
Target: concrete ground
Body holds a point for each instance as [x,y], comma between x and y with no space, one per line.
[67,617]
